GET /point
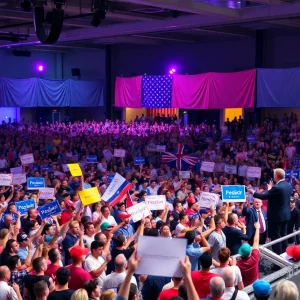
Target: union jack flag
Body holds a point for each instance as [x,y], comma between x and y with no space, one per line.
[179,160]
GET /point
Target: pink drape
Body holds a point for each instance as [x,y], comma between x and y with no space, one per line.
[214,90]
[128,92]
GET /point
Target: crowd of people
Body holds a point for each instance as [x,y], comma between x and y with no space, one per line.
[89,251]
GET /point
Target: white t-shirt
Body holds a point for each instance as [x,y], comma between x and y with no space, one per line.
[88,240]
[91,263]
[241,295]
[152,191]
[111,220]
[237,271]
[112,281]
[6,291]
[179,228]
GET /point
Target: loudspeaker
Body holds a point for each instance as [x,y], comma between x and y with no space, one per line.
[75,72]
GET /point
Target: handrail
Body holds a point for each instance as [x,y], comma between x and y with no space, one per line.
[280,239]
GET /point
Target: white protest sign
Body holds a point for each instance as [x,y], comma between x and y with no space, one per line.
[27,159]
[160,257]
[19,178]
[230,169]
[119,153]
[5,179]
[184,174]
[160,148]
[138,211]
[208,199]
[156,202]
[207,166]
[253,172]
[16,170]
[46,193]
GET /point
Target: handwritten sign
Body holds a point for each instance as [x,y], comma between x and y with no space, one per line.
[119,153]
[27,159]
[23,206]
[75,170]
[156,202]
[208,199]
[89,196]
[34,183]
[91,158]
[16,170]
[233,193]
[253,172]
[184,174]
[50,209]
[139,161]
[19,178]
[207,166]
[138,211]
[5,179]
[46,193]
[230,169]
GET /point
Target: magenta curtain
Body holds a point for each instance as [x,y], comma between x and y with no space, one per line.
[214,90]
[128,92]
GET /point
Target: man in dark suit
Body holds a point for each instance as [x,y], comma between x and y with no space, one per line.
[253,215]
[279,212]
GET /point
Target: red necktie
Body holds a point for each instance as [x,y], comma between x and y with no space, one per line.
[262,229]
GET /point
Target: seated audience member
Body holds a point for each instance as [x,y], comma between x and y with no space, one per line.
[262,289]
[41,290]
[286,290]
[172,292]
[248,263]
[231,292]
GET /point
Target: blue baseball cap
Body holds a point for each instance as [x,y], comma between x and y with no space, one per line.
[261,288]
[245,249]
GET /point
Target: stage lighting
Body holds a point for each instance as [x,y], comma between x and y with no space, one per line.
[40,68]
[100,8]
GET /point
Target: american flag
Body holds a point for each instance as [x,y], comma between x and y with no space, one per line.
[157,91]
[179,160]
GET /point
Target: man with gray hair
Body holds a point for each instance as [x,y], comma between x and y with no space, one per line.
[217,287]
[231,292]
[112,281]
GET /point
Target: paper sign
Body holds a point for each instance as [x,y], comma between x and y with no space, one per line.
[34,183]
[23,206]
[208,199]
[19,178]
[65,168]
[139,161]
[241,156]
[156,202]
[89,196]
[207,166]
[46,193]
[160,148]
[184,174]
[75,170]
[91,158]
[138,211]
[226,139]
[119,153]
[50,209]
[160,257]
[251,138]
[253,172]
[16,170]
[27,159]
[233,193]
[46,168]
[230,169]
[5,179]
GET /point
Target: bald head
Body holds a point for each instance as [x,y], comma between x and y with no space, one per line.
[120,263]
[4,273]
[217,287]
[228,275]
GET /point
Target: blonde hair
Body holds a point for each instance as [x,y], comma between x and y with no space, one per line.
[80,294]
[108,295]
[73,223]
[280,173]
[286,290]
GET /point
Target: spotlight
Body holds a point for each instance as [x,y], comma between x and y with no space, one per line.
[173,70]
[100,8]
[41,68]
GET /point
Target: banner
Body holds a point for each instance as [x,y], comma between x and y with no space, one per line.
[75,170]
[46,193]
[19,178]
[226,139]
[208,199]
[34,183]
[157,148]
[155,202]
[230,169]
[91,159]
[184,174]
[297,162]
[89,196]
[27,159]
[5,179]
[119,153]
[233,193]
[207,166]
[251,138]
[253,172]
[139,161]
[50,209]
[23,206]
[138,211]
[241,156]
[289,173]
[16,170]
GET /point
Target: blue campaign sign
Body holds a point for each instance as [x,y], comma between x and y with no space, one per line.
[289,173]
[251,138]
[23,206]
[233,193]
[226,139]
[50,209]
[35,183]
[46,168]
[91,158]
[296,162]
[139,161]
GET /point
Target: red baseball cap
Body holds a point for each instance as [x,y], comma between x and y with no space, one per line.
[77,251]
[124,215]
[191,200]
[70,203]
[294,252]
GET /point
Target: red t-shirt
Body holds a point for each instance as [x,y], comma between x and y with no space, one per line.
[51,270]
[78,277]
[249,267]
[201,281]
[168,294]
